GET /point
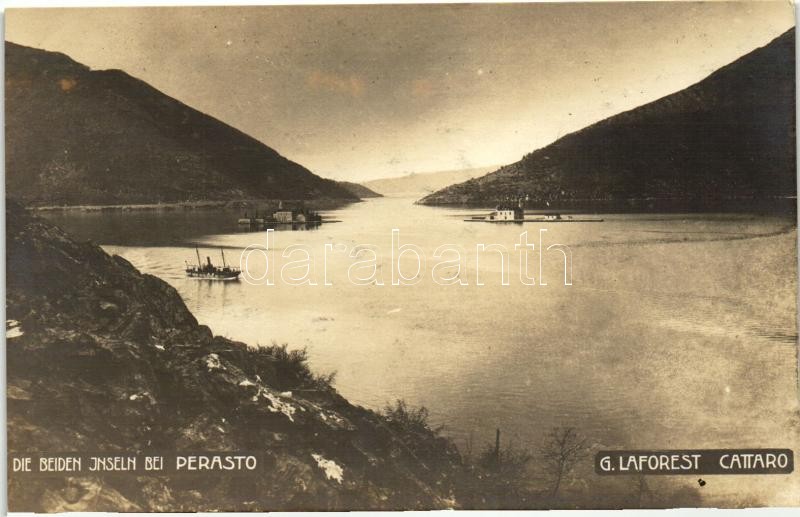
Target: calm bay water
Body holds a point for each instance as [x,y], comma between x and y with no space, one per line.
[678,331]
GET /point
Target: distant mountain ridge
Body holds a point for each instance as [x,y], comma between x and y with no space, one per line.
[424,182]
[78,136]
[727,142]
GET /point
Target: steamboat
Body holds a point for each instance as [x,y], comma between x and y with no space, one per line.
[209,271]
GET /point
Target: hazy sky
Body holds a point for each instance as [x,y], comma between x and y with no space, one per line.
[360,92]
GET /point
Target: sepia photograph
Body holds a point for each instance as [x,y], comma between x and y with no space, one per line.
[389,257]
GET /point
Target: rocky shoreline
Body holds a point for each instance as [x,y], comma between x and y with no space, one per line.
[102,358]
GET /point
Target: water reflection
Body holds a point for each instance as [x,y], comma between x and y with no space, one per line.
[162,227]
[678,331]
[279,227]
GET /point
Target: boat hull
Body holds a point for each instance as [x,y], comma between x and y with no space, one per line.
[211,276]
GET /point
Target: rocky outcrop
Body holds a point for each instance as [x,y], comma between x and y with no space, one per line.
[102,358]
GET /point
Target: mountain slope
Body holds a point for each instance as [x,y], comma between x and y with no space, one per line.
[76,136]
[358,189]
[724,143]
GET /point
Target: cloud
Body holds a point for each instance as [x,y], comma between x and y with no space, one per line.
[333,82]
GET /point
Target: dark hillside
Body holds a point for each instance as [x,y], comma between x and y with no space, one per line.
[725,143]
[76,136]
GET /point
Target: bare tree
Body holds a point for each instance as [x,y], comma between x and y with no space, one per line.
[562,450]
[502,475]
[468,444]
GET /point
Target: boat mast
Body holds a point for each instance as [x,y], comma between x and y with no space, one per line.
[199,263]
[223,257]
